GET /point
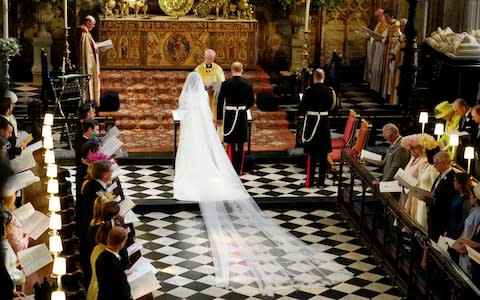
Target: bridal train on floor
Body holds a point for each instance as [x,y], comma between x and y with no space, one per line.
[247,247]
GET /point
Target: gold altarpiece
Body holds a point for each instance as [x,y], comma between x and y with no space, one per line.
[163,42]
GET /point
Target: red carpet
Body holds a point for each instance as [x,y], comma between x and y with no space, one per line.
[147,98]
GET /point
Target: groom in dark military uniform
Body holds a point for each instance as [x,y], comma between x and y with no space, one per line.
[316,102]
[237,95]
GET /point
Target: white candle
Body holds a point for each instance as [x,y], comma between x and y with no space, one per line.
[307,12]
[5,19]
[65,13]
[63,63]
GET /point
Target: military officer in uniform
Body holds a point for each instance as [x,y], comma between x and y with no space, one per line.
[237,96]
[315,104]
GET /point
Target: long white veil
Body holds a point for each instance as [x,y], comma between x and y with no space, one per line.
[247,247]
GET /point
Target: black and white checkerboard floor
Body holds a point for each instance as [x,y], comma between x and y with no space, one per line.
[177,246]
[275,180]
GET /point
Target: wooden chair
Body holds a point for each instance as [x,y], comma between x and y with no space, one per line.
[346,139]
[361,141]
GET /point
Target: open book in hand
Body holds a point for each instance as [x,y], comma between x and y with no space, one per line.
[34,258]
[33,222]
[25,160]
[105,45]
[111,145]
[23,139]
[410,184]
[371,157]
[142,280]
[21,180]
[367,32]
[390,187]
[473,254]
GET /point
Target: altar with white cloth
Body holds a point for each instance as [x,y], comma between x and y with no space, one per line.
[163,42]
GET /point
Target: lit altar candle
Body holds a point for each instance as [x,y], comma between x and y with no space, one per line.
[65,13]
[307,11]
[5,19]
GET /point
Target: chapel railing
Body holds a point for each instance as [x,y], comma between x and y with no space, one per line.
[399,241]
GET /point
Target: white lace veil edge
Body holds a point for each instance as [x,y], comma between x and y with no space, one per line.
[250,249]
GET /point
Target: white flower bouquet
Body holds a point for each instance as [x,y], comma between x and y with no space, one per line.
[9,47]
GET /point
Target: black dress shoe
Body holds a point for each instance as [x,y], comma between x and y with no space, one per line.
[320,184]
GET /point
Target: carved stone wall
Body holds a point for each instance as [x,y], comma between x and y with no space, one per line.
[338,31]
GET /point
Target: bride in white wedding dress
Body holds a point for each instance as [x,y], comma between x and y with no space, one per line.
[247,247]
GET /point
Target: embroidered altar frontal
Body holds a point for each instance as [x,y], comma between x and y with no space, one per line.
[164,42]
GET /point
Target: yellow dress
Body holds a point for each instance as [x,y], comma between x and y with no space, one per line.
[450,125]
[213,77]
[92,292]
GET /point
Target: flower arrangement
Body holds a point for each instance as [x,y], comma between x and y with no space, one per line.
[9,47]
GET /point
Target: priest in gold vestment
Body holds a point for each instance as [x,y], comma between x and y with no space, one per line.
[393,33]
[212,76]
[375,53]
[89,61]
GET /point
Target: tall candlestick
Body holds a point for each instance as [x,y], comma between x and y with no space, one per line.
[307,12]
[65,13]
[5,19]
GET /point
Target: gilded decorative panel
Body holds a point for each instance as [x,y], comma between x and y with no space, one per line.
[338,31]
[163,42]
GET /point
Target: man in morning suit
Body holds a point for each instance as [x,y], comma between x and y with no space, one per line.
[100,174]
[466,124]
[112,280]
[315,104]
[237,95]
[443,194]
[396,156]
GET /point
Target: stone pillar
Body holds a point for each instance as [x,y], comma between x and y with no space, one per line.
[408,69]
[297,50]
[42,39]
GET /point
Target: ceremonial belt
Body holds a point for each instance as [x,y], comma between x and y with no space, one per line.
[237,108]
[317,114]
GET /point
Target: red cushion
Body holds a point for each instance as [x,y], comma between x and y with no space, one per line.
[338,143]
[335,155]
